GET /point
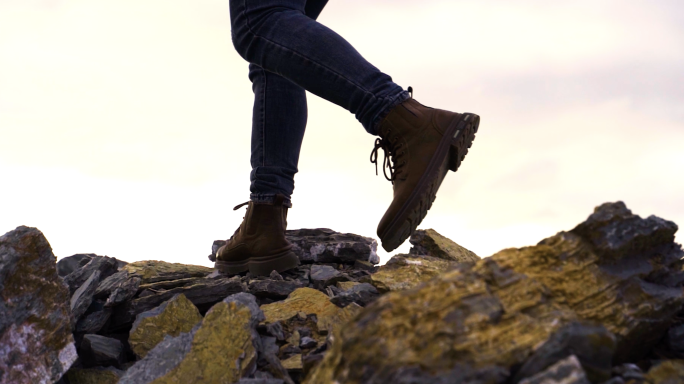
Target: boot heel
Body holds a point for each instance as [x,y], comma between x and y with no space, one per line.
[262,266]
[463,139]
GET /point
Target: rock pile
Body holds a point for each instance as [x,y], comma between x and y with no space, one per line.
[601,303]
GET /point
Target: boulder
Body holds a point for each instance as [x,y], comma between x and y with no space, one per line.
[667,372]
[83,296]
[68,264]
[407,271]
[97,350]
[430,243]
[36,344]
[324,245]
[98,375]
[152,271]
[107,266]
[95,318]
[203,295]
[491,316]
[566,371]
[173,317]
[221,349]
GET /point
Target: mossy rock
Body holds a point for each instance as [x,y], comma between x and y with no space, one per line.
[98,375]
[667,372]
[430,243]
[407,271]
[152,271]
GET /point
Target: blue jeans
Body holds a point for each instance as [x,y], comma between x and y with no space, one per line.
[289,52]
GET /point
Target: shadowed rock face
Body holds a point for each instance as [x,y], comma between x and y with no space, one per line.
[493,315]
[36,345]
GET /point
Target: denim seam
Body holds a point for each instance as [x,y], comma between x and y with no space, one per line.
[263,119]
[304,57]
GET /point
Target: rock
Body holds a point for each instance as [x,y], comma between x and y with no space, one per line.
[83,296]
[308,301]
[629,372]
[97,375]
[345,285]
[675,338]
[667,372]
[69,264]
[108,284]
[275,276]
[325,275]
[491,316]
[592,345]
[261,381]
[97,350]
[407,271]
[307,343]
[95,318]
[364,265]
[221,349]
[294,363]
[566,371]
[616,380]
[272,289]
[268,360]
[107,266]
[152,271]
[204,294]
[124,291]
[430,243]
[324,245]
[173,317]
[36,344]
[361,294]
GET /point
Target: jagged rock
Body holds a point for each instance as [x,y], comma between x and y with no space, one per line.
[325,275]
[95,318]
[430,243]
[97,350]
[667,372]
[407,271]
[592,345]
[629,371]
[69,264]
[173,317]
[361,294]
[365,266]
[261,381]
[221,349]
[275,276]
[107,266]
[491,316]
[269,361]
[307,343]
[345,285]
[272,289]
[675,338]
[152,271]
[308,301]
[324,245]
[97,375]
[203,295]
[36,344]
[83,296]
[566,371]
[108,284]
[293,363]
[123,291]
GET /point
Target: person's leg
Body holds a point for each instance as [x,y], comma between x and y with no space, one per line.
[278,125]
[278,36]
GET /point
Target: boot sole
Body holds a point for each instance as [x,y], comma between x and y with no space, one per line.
[450,152]
[263,265]
[232,268]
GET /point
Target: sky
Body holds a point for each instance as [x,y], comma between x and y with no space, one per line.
[125,126]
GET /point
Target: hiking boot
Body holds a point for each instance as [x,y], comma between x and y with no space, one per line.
[259,244]
[421,144]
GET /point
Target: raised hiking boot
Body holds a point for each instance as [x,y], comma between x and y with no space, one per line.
[259,244]
[421,144]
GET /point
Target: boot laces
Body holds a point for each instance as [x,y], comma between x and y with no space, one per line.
[240,226]
[390,154]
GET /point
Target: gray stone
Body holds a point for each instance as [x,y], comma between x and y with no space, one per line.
[615,380]
[36,343]
[124,291]
[324,245]
[324,275]
[675,338]
[566,371]
[364,265]
[94,319]
[108,284]
[260,381]
[97,350]
[361,294]
[629,372]
[107,266]
[275,276]
[272,289]
[307,342]
[83,296]
[69,264]
[592,345]
[430,243]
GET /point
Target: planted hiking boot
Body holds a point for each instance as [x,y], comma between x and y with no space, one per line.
[421,144]
[259,244]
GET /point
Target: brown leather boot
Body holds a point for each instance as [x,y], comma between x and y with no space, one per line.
[259,244]
[423,143]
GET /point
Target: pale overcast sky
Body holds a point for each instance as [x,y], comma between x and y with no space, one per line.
[125,126]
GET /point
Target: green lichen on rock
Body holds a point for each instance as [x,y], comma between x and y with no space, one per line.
[430,243]
[667,372]
[175,316]
[94,375]
[308,301]
[407,271]
[344,285]
[152,271]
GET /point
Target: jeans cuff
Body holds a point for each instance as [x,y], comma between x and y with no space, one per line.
[400,98]
[268,199]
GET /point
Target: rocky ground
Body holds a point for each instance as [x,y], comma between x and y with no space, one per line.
[601,303]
